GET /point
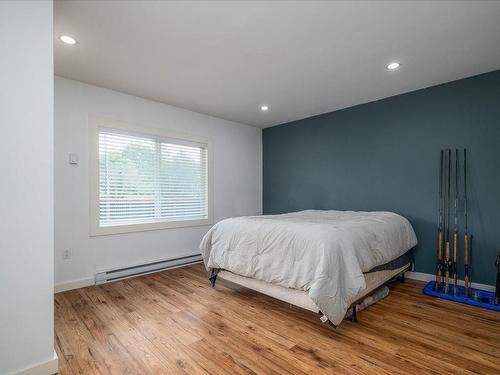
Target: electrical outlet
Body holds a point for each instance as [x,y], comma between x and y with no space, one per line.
[67,254]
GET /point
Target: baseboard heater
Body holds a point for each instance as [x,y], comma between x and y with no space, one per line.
[124,273]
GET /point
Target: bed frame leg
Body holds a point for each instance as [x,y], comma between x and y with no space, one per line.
[354,316]
[213,278]
[331,324]
[401,277]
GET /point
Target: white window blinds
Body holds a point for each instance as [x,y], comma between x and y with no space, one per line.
[144,179]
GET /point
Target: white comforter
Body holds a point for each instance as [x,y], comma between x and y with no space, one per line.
[322,252]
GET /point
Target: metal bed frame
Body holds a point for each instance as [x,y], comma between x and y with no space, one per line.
[353,307]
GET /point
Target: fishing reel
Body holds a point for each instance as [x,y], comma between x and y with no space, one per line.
[440,270]
[441,266]
[449,265]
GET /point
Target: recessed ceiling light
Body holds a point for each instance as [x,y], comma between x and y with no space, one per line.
[393,66]
[68,39]
[264,108]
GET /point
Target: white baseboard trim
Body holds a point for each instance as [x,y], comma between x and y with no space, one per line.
[49,367]
[73,284]
[428,277]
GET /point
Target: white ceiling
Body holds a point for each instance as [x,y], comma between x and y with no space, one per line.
[301,58]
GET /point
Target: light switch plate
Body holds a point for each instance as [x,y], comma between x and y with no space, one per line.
[67,254]
[73,159]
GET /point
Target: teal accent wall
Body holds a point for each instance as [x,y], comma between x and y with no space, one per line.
[384,155]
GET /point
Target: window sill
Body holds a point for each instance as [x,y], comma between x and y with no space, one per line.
[131,228]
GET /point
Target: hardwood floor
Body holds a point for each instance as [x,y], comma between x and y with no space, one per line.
[174,322]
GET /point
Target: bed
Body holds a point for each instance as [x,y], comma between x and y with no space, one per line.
[323,261]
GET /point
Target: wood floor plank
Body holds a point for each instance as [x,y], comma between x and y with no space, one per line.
[173,322]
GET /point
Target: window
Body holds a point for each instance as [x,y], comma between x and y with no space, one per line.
[149,182]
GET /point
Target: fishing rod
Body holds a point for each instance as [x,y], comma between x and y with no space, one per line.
[455,234]
[447,223]
[466,234]
[497,289]
[439,257]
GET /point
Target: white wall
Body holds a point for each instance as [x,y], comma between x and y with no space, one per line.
[26,186]
[237,151]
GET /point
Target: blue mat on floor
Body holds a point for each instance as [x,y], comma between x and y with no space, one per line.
[460,296]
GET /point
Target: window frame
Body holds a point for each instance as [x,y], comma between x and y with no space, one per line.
[95,125]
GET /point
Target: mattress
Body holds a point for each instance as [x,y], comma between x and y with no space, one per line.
[326,253]
[301,298]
